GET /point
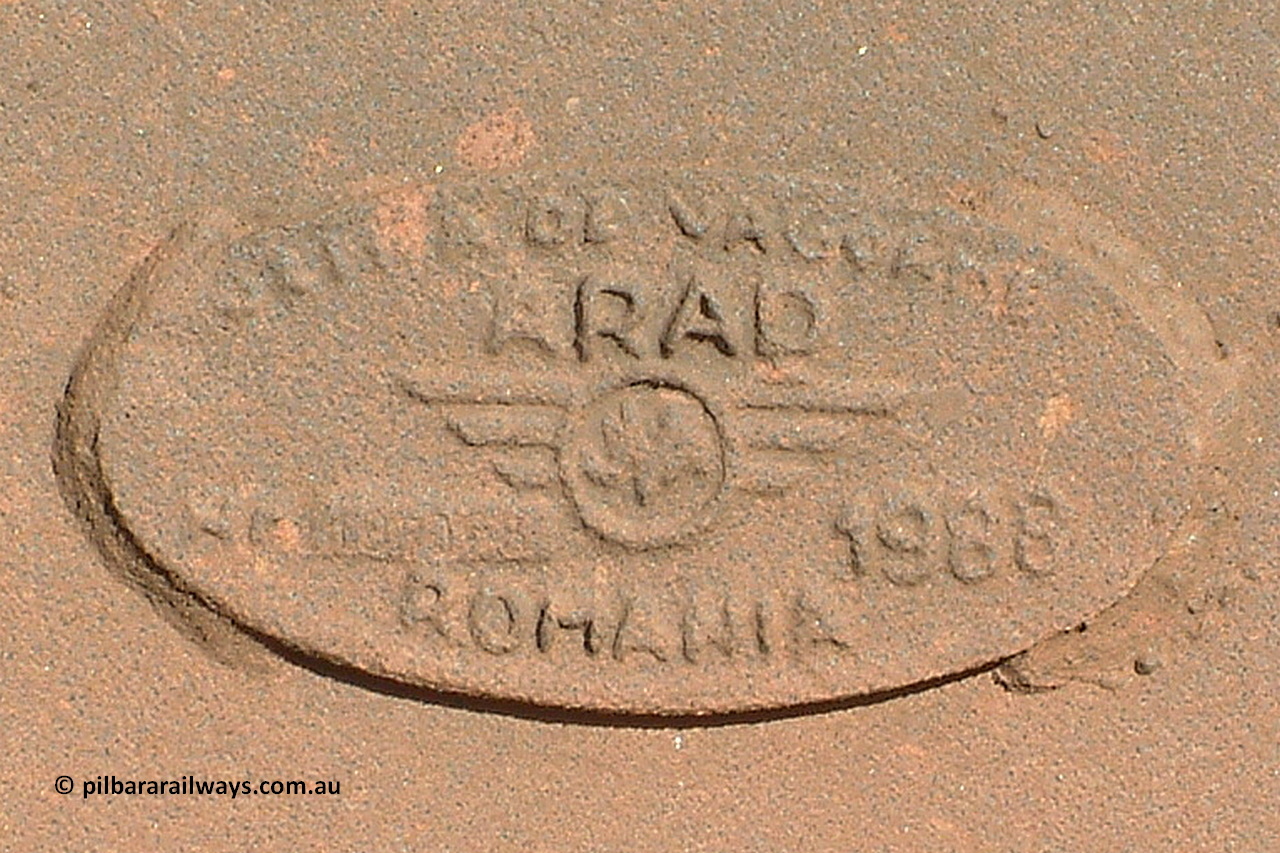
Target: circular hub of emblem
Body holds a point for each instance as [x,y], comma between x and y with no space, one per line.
[645,464]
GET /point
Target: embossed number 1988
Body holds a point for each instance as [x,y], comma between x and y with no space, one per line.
[909,538]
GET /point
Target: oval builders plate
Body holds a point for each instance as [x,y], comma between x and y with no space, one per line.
[656,443]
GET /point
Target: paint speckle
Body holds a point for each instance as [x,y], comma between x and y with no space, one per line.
[1058,412]
[497,142]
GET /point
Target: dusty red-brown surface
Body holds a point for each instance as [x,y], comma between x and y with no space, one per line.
[1143,145]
